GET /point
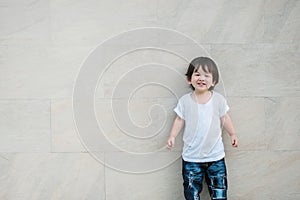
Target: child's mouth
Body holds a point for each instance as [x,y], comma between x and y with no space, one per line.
[201,84]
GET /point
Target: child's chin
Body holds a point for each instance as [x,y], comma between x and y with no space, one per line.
[201,89]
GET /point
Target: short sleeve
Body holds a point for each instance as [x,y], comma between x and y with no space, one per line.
[179,110]
[223,107]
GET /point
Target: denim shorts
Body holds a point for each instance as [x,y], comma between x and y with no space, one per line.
[214,174]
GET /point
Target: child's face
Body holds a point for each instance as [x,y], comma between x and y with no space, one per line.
[201,80]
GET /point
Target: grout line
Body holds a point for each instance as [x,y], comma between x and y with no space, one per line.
[50,121]
[104,177]
[33,99]
[86,152]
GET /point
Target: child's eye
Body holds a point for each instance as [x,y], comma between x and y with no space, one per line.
[207,75]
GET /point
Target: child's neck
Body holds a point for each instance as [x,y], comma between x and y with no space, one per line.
[202,97]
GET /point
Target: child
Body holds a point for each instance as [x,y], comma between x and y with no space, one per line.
[203,113]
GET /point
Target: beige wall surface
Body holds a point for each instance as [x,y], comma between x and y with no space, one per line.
[69,65]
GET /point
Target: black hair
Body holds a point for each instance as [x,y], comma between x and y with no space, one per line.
[207,65]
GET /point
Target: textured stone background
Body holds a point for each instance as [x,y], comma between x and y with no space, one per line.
[42,47]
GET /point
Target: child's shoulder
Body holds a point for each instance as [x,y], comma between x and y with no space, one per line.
[185,97]
[218,96]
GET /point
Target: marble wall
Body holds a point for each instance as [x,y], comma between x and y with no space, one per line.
[44,46]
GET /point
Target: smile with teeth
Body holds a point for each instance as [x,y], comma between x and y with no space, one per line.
[201,83]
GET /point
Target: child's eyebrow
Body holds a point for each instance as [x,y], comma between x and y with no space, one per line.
[196,72]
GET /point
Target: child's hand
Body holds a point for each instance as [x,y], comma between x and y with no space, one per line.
[234,141]
[170,142]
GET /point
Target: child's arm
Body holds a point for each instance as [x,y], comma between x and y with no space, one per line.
[228,126]
[177,126]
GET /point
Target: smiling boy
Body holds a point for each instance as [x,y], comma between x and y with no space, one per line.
[203,113]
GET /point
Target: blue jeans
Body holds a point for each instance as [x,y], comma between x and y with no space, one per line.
[215,176]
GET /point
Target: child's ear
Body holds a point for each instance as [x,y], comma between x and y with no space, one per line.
[188,80]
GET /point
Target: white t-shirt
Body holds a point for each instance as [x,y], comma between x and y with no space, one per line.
[202,135]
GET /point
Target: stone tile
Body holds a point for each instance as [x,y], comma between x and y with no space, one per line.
[282,123]
[281,70]
[222,22]
[64,134]
[257,70]
[39,72]
[25,125]
[82,23]
[248,116]
[281,21]
[25,23]
[127,162]
[138,125]
[163,184]
[51,176]
[263,174]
